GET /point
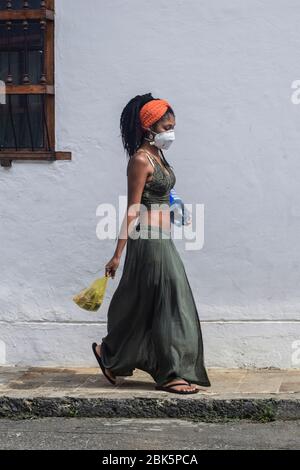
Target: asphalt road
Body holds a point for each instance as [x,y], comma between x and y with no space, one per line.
[149,434]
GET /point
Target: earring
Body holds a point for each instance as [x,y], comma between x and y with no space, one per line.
[151,135]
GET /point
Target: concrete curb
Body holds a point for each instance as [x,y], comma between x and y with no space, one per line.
[256,409]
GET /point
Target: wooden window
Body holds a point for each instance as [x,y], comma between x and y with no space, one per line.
[27,100]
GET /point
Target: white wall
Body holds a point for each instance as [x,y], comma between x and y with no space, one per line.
[227,69]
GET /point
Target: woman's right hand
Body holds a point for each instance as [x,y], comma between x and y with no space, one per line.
[112,266]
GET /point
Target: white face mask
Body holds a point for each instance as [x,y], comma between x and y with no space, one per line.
[163,140]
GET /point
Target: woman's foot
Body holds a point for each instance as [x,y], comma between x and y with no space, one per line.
[186,387]
[107,371]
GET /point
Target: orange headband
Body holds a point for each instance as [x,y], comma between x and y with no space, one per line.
[152,112]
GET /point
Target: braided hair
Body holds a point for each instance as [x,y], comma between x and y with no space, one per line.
[132,133]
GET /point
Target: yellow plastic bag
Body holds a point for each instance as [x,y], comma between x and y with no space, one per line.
[91,297]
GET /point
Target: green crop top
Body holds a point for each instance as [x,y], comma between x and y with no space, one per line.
[157,191]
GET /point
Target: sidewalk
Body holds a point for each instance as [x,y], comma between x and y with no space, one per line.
[259,394]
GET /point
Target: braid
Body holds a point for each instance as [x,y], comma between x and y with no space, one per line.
[130,125]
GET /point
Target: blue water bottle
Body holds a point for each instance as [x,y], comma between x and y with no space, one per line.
[179,213]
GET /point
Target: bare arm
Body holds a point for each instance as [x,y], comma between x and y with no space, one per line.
[137,173]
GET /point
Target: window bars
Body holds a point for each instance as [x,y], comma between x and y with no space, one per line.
[27,77]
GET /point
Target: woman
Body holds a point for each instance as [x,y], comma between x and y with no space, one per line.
[153,323]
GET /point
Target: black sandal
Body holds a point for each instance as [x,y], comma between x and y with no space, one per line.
[99,360]
[168,388]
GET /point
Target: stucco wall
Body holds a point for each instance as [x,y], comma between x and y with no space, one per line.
[227,69]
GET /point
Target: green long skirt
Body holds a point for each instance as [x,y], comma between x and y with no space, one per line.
[152,319]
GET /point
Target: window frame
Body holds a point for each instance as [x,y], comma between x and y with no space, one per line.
[44,13]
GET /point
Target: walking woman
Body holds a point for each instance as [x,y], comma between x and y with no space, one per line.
[152,320]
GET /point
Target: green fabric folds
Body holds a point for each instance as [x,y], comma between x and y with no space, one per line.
[152,321]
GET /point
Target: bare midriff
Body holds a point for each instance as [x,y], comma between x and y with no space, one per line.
[156,217]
